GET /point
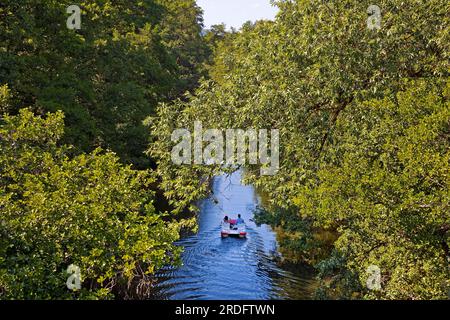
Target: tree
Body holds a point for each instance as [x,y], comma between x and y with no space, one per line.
[109,75]
[385,189]
[88,210]
[313,72]
[181,31]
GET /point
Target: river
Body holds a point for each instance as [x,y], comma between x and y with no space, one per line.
[232,269]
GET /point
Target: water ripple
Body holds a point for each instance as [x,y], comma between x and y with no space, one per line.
[231,269]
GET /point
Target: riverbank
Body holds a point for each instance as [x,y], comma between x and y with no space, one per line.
[216,268]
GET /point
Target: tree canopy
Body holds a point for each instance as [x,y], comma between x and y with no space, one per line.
[88,210]
[106,77]
[87,117]
[363,116]
[65,96]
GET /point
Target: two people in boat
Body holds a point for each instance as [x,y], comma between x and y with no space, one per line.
[239,220]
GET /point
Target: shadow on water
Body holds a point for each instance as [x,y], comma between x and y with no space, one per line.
[232,268]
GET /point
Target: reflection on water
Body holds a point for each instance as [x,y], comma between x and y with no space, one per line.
[231,268]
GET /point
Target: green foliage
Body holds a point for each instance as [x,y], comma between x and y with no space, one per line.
[181,31]
[363,119]
[4,98]
[218,40]
[89,210]
[106,77]
[61,204]
[182,186]
[386,187]
[300,241]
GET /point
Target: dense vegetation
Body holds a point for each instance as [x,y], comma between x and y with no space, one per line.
[364,120]
[109,75]
[62,199]
[88,210]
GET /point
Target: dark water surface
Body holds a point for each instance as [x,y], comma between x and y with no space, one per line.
[232,268]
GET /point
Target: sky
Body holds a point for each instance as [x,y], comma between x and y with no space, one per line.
[235,12]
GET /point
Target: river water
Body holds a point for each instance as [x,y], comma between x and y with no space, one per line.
[232,268]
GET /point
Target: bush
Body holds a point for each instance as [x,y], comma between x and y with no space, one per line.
[89,210]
